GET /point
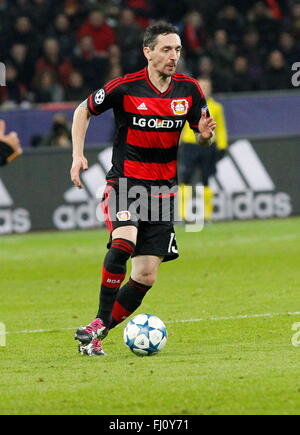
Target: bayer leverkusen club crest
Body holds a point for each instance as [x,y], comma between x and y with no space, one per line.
[124,216]
[180,107]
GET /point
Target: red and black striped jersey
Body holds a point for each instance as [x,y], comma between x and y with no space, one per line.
[148,124]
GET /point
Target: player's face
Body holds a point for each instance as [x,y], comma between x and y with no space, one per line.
[165,55]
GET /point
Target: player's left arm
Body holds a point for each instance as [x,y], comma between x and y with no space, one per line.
[10,147]
[205,127]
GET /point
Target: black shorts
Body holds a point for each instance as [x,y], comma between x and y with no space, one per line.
[192,157]
[154,237]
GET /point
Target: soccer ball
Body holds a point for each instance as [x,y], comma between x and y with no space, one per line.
[145,335]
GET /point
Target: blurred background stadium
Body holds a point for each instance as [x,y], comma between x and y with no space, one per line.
[57,51]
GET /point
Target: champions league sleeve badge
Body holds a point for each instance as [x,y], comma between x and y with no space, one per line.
[100,96]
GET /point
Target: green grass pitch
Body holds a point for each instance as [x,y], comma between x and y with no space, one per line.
[223,359]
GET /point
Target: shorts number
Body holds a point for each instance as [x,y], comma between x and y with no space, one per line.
[172,246]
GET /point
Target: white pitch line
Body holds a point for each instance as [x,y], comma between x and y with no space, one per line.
[211,319]
[244,316]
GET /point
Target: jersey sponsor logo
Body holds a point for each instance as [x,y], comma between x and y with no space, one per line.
[244,188]
[158,123]
[142,107]
[180,107]
[124,216]
[81,207]
[100,96]
[12,220]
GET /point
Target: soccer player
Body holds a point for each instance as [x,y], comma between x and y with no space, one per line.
[150,109]
[10,147]
[206,159]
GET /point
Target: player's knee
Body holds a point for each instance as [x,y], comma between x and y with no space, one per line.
[120,251]
[147,278]
[128,233]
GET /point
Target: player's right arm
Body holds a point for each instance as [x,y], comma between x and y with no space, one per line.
[97,103]
[80,125]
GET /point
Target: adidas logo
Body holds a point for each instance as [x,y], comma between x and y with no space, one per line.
[244,188]
[12,220]
[94,180]
[5,198]
[242,170]
[142,107]
[81,210]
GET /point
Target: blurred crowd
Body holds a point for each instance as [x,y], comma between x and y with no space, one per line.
[60,50]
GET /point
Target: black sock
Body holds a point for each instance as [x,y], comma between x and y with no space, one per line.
[113,274]
[129,298]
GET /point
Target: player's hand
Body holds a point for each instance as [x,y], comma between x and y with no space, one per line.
[206,125]
[11,139]
[79,164]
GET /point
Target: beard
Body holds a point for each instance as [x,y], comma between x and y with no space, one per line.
[166,73]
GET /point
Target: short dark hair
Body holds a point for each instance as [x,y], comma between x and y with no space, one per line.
[156,29]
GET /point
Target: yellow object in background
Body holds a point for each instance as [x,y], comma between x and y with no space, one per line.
[217,112]
[185,197]
[221,141]
[208,203]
